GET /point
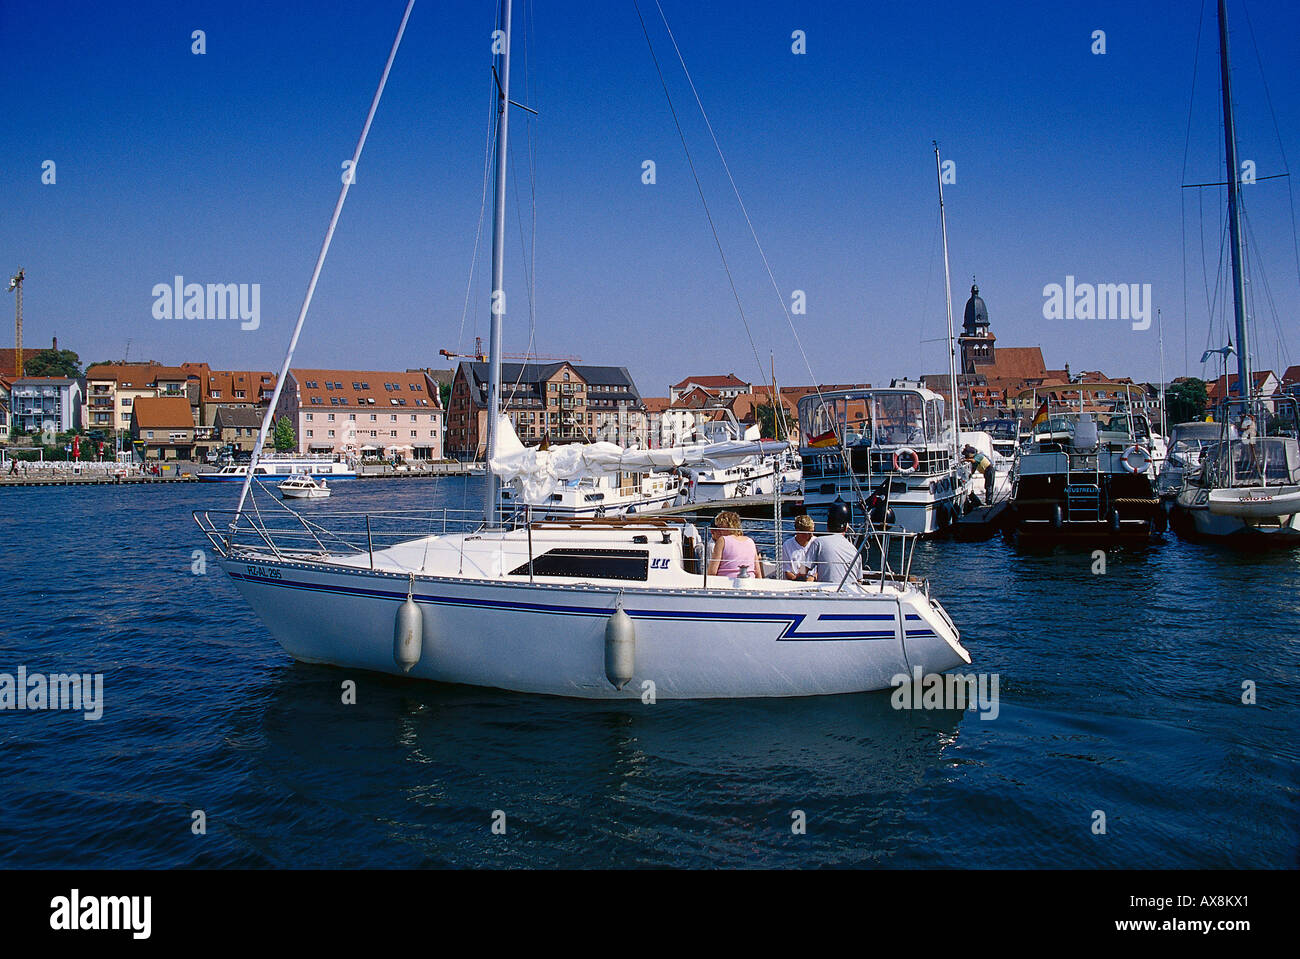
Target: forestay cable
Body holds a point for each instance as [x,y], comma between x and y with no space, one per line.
[320,262]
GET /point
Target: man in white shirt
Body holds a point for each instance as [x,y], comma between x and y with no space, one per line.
[829,557]
[793,550]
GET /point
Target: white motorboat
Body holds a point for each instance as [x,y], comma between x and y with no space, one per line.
[588,608]
[303,486]
[857,441]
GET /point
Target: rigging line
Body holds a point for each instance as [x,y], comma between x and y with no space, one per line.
[1268,98]
[736,190]
[700,189]
[1182,214]
[1191,98]
[753,233]
[1256,257]
[320,261]
[478,232]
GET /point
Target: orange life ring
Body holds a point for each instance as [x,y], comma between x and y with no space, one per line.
[1139,450]
[906,451]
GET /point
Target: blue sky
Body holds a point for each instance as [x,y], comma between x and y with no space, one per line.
[224,168]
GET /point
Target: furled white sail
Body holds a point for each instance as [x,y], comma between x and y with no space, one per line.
[538,472]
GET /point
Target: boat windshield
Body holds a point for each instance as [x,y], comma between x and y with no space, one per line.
[1112,427]
[1194,436]
[998,429]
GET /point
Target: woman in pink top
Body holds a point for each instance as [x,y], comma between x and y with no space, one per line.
[732,549]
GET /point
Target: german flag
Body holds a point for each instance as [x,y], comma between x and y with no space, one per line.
[825,439]
[1040,417]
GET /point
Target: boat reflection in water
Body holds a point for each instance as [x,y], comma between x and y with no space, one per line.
[583,784]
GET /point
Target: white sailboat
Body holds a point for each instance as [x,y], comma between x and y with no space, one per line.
[1248,485]
[587,608]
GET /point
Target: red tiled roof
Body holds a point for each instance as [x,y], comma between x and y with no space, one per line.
[1024,362]
[370,386]
[162,412]
[1215,388]
[713,382]
[9,361]
[655,404]
[136,375]
[697,397]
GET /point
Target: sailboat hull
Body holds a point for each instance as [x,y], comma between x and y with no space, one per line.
[550,639]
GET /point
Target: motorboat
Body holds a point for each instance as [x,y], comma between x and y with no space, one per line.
[1084,471]
[898,440]
[303,486]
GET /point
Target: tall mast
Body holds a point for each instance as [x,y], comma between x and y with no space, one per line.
[498,299]
[1234,211]
[947,292]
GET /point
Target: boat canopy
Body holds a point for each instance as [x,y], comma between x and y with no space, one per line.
[538,472]
[892,417]
[1279,455]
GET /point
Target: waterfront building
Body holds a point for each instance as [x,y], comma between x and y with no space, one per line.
[1263,383]
[216,389]
[163,428]
[560,402]
[360,412]
[237,427]
[112,390]
[38,402]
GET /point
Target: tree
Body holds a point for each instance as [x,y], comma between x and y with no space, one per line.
[53,363]
[1186,400]
[284,438]
[768,424]
[444,393]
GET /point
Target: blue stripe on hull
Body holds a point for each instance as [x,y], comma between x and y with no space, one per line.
[792,621]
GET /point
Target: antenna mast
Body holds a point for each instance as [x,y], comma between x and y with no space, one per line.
[16,288]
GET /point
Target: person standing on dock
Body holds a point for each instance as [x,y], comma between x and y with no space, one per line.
[794,550]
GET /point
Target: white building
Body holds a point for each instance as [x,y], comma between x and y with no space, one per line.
[46,402]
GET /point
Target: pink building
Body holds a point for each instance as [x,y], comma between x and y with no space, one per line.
[364,412]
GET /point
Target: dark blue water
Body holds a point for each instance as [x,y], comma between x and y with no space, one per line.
[1119,692]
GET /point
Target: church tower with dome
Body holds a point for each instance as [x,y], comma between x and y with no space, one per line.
[977,343]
